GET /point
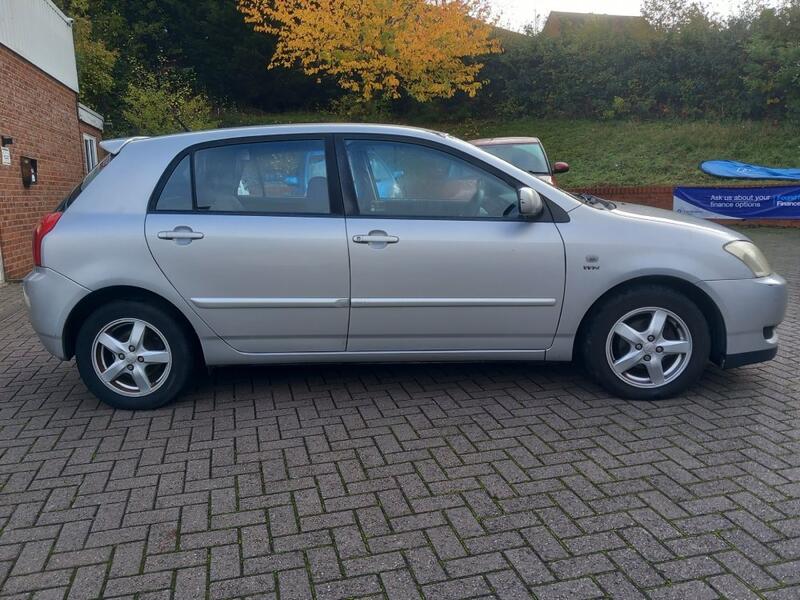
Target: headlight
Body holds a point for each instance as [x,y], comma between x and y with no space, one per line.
[749,254]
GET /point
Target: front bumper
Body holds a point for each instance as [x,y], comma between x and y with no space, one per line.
[751,310]
[50,298]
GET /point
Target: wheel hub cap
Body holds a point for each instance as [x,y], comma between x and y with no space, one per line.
[131,357]
[649,347]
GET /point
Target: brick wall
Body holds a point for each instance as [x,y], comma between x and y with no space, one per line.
[40,114]
[661,197]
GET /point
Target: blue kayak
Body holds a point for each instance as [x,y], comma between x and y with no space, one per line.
[731,169]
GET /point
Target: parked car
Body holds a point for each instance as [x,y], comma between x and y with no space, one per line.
[216,247]
[525,153]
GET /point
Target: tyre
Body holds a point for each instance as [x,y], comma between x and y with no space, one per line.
[134,355]
[646,343]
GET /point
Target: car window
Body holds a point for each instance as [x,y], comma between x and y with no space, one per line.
[528,157]
[177,193]
[406,179]
[264,177]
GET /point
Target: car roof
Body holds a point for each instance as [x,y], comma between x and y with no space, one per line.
[197,137]
[496,141]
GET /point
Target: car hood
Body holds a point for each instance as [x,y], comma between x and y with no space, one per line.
[670,218]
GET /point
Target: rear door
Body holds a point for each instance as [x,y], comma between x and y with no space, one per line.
[440,258]
[252,234]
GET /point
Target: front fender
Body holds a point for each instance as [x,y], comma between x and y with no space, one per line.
[604,250]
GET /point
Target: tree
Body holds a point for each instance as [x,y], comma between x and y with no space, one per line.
[667,15]
[379,49]
[163,103]
[95,61]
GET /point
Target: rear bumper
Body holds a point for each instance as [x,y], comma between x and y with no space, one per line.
[751,310]
[50,298]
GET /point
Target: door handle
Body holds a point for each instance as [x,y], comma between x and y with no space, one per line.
[375,238]
[180,234]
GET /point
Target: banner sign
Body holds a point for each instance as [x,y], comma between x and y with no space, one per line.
[778,202]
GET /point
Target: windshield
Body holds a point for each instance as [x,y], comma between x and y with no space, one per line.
[65,204]
[526,156]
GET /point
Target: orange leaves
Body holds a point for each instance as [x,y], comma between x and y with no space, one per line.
[378,48]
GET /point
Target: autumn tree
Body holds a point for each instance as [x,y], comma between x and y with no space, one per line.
[378,49]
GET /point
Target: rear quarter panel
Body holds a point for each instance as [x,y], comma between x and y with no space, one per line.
[100,241]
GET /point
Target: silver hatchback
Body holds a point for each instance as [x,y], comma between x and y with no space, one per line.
[323,243]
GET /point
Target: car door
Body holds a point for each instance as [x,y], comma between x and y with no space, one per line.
[256,242]
[440,259]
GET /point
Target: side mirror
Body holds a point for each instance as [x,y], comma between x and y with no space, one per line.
[560,167]
[530,202]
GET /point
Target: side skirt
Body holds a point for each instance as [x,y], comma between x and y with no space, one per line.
[218,353]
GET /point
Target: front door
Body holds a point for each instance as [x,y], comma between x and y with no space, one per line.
[440,258]
[254,245]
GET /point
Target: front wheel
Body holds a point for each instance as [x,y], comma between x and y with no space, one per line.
[133,355]
[647,343]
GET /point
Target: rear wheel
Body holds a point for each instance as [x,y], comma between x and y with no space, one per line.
[133,355]
[647,343]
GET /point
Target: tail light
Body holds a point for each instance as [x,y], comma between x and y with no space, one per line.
[44,227]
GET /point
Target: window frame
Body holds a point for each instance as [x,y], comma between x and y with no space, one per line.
[334,186]
[349,192]
[93,140]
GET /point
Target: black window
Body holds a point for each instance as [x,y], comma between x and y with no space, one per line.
[177,193]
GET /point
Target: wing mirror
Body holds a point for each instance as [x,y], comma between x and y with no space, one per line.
[530,202]
[560,167]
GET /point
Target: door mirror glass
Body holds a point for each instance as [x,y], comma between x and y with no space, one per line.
[560,167]
[530,202]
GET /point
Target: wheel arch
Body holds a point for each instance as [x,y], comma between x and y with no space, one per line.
[710,310]
[97,298]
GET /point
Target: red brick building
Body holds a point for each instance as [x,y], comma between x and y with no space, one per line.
[47,139]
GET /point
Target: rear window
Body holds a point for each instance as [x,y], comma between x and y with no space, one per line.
[177,192]
[265,177]
[73,195]
[527,157]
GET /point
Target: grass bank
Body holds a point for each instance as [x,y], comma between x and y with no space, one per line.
[618,152]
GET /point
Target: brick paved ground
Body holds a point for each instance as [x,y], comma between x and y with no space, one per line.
[506,481]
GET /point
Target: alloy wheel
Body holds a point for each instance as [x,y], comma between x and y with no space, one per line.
[649,347]
[131,357]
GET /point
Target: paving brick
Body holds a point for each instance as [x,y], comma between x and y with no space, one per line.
[456,588]
[399,585]
[294,584]
[324,563]
[425,565]
[697,590]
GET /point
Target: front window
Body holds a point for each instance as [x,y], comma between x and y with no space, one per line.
[528,157]
[411,180]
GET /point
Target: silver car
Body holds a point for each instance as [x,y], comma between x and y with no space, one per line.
[333,243]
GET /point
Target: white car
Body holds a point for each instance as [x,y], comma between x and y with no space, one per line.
[526,153]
